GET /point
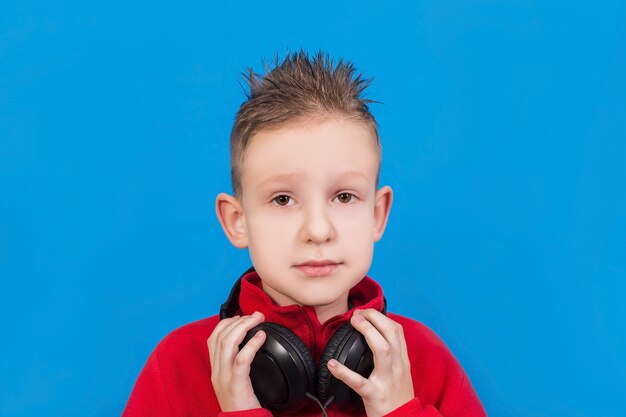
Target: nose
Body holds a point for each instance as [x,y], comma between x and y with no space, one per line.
[317,226]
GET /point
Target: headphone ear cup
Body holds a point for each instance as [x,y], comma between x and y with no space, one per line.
[283,370]
[349,348]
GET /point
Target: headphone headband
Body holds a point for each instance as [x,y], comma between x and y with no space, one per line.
[231,305]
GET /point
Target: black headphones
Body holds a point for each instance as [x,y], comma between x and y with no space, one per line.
[283,372]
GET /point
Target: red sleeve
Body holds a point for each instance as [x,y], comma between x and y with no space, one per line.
[460,399]
[466,404]
[255,412]
[148,397]
[414,408]
[441,386]
[176,379]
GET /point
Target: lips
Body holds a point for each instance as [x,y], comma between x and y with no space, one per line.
[318,268]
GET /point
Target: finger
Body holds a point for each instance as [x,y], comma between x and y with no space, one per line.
[228,329]
[243,360]
[217,333]
[220,363]
[243,321]
[231,338]
[355,381]
[229,344]
[380,347]
[391,330]
[230,326]
[213,345]
[217,330]
[220,342]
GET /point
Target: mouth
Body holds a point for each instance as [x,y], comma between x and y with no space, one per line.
[318,268]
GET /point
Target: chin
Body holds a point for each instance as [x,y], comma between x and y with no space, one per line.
[318,302]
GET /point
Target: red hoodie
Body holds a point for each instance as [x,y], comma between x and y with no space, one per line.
[176,380]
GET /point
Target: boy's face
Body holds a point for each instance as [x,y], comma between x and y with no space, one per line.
[309,194]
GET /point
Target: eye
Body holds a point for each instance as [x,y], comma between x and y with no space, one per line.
[345,198]
[282,200]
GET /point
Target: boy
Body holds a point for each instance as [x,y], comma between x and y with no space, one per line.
[305,162]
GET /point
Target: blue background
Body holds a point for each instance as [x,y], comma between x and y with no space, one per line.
[504,138]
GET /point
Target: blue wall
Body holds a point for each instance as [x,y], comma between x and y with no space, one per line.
[504,137]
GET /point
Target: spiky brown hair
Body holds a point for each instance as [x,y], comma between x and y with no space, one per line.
[298,88]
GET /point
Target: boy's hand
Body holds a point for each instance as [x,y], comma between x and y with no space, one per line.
[390,385]
[230,367]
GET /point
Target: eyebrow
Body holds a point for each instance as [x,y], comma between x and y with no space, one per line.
[352,174]
[282,178]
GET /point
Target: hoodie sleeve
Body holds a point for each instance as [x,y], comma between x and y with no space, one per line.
[255,412]
[414,408]
[441,386]
[176,379]
[467,405]
[149,397]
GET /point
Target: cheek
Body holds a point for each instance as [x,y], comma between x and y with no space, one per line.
[358,223]
[357,230]
[269,232]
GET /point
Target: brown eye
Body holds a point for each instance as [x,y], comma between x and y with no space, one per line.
[345,197]
[282,200]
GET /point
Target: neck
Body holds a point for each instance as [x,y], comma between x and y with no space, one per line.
[325,312]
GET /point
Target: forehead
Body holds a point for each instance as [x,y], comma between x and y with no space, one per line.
[331,149]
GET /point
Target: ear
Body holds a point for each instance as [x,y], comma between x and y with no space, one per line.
[382,206]
[230,214]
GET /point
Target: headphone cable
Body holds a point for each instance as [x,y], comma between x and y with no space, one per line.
[323,407]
